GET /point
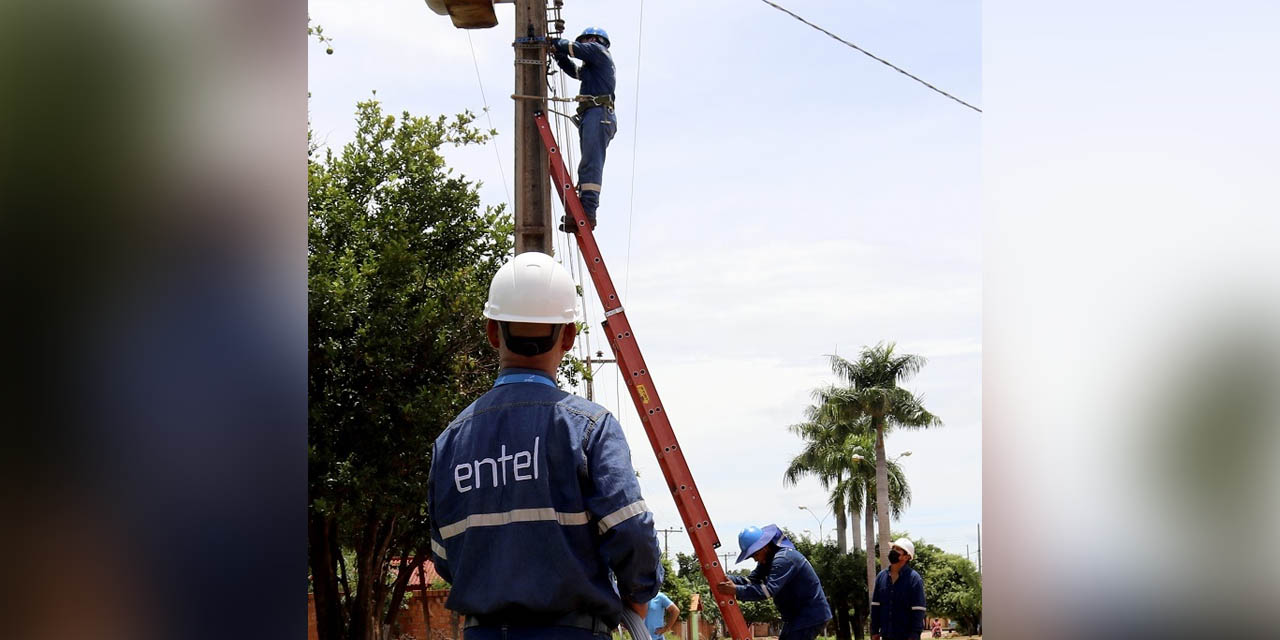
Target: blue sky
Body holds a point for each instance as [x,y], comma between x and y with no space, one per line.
[792,197]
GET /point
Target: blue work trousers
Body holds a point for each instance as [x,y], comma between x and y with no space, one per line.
[531,633]
[807,633]
[596,131]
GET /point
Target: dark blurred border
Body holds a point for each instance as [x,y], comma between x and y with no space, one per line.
[152,249]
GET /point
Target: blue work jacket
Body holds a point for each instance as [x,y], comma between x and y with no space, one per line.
[790,580]
[897,608]
[597,73]
[533,502]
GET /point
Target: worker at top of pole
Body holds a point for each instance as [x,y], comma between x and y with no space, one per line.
[784,574]
[596,120]
[533,497]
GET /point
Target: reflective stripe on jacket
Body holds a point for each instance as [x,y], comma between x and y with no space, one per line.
[533,501]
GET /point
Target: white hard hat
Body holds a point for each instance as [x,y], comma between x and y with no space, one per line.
[905,545]
[532,287]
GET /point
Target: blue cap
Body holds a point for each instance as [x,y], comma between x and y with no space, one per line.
[595,31]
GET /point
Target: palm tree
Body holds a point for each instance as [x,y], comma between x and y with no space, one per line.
[872,392]
[825,458]
[841,458]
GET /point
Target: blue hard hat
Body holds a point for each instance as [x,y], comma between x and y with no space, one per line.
[595,31]
[751,540]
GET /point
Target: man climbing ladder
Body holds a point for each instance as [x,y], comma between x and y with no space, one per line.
[596,120]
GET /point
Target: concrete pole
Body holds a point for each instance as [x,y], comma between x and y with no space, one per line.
[979,550]
[665,533]
[724,560]
[591,389]
[533,186]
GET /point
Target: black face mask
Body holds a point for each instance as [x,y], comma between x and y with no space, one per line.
[529,345]
[894,556]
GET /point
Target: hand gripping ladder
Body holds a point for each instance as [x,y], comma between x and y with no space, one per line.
[643,393]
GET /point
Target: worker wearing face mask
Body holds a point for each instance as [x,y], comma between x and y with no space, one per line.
[897,607]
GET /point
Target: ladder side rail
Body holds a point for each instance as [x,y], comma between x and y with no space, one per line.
[643,393]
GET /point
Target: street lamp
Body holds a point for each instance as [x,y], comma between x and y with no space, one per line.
[815,517]
[858,456]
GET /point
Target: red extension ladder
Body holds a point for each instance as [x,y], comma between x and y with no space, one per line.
[643,393]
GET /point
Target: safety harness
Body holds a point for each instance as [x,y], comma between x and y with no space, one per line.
[591,102]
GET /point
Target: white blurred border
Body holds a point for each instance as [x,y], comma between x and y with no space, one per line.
[1130,259]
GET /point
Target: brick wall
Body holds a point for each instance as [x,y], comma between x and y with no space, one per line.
[411,622]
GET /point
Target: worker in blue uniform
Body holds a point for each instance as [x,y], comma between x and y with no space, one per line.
[897,604]
[533,498]
[784,574]
[596,120]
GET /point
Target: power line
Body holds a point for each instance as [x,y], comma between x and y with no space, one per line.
[868,53]
[665,533]
[489,116]
[635,129]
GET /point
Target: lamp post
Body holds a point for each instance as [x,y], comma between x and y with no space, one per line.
[815,517]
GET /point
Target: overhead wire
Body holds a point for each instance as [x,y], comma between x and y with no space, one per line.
[869,54]
[635,128]
[476,63]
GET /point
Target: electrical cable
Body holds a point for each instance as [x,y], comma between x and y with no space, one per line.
[635,129]
[487,115]
[869,54]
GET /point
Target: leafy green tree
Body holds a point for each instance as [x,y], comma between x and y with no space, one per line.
[688,566]
[759,611]
[677,587]
[400,255]
[872,392]
[690,571]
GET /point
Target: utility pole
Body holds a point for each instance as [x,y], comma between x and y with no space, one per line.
[725,561]
[533,188]
[591,382]
[665,533]
[979,550]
